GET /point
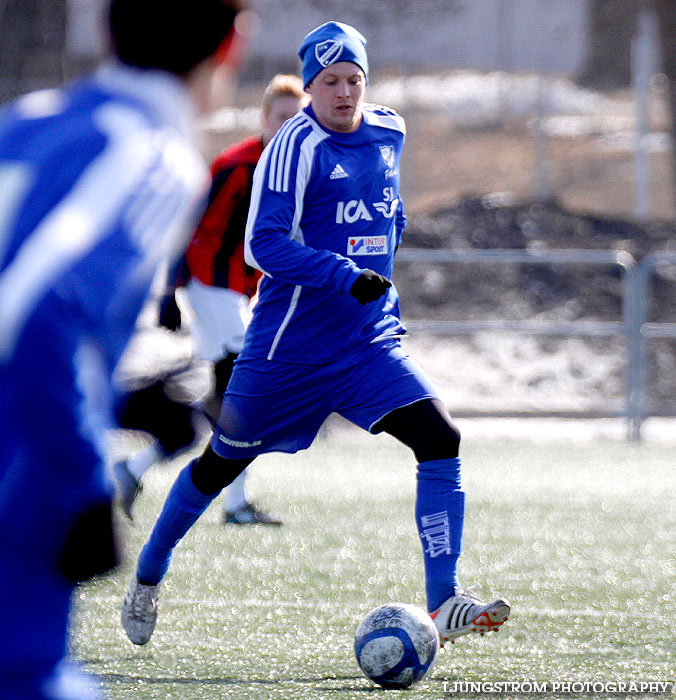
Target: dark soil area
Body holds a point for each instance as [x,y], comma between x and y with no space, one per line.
[489,223]
[542,292]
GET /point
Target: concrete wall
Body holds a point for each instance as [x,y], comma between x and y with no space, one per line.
[528,35]
[406,35]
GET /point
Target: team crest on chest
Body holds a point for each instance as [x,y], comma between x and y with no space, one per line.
[327,52]
[387,154]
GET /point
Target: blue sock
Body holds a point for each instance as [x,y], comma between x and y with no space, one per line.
[181,510]
[440,514]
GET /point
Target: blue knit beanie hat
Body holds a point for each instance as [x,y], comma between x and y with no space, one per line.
[329,43]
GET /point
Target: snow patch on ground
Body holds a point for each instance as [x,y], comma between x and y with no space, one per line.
[483,373]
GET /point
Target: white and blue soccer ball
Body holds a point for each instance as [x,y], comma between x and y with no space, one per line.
[396,645]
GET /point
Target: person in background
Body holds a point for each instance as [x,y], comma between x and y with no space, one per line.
[101,182]
[218,286]
[325,221]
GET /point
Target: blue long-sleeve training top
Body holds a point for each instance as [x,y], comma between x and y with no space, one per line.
[99,184]
[325,205]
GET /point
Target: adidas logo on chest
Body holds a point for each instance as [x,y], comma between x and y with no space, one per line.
[338,172]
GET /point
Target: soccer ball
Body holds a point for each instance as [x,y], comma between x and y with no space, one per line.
[396,644]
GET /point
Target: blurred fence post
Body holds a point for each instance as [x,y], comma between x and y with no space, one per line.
[543,182]
[645,41]
[632,409]
[84,28]
[645,330]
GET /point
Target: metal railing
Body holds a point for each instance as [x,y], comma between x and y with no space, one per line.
[644,330]
[631,328]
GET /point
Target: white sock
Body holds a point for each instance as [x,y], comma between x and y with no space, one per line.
[139,463]
[235,494]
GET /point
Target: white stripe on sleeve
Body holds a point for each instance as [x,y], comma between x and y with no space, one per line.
[78,222]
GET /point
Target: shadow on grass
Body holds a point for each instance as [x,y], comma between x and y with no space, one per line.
[157,680]
[351,684]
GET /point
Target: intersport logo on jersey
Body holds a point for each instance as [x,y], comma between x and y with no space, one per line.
[367,245]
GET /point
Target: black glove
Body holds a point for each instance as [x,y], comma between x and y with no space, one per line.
[369,286]
[169,314]
[151,410]
[91,547]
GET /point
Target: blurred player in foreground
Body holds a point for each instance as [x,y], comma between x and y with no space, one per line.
[219,285]
[100,182]
[325,221]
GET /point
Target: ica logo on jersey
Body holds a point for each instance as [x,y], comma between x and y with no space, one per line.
[349,212]
[355,209]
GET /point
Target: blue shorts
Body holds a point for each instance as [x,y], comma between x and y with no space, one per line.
[273,406]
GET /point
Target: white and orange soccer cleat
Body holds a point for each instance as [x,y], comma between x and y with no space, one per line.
[465,612]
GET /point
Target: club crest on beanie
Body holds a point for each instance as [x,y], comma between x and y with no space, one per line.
[329,43]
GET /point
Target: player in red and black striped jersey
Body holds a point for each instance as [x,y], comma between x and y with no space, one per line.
[218,284]
[215,255]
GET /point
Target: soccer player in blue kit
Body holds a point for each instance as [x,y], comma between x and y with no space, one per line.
[324,224]
[101,183]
